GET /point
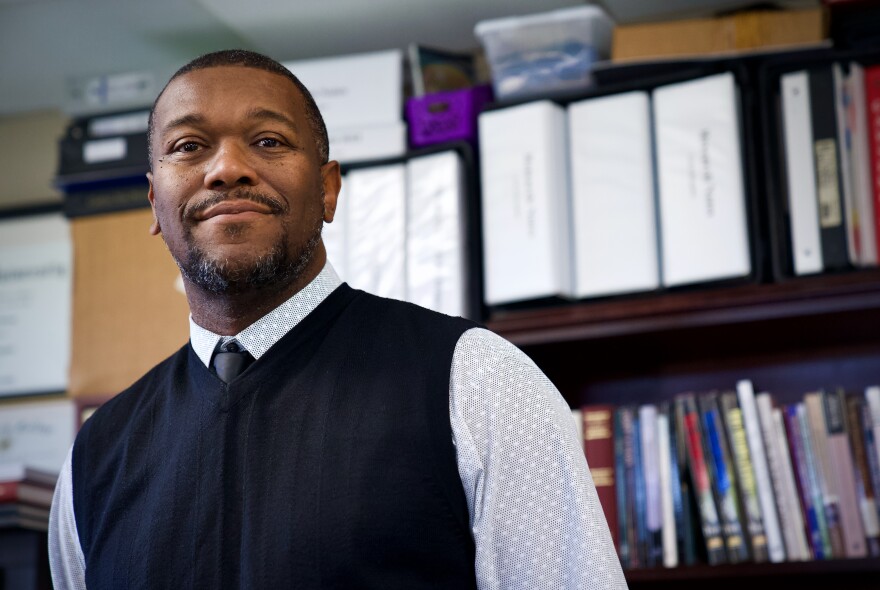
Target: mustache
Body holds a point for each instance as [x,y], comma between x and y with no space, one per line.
[194,208]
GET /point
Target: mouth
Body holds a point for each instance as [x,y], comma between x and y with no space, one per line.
[237,207]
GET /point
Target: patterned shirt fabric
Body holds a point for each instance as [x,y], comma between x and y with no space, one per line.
[535,515]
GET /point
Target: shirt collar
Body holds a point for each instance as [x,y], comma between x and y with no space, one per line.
[269,329]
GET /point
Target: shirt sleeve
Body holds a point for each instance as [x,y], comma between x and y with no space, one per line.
[65,553]
[535,515]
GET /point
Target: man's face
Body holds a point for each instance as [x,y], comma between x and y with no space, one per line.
[237,188]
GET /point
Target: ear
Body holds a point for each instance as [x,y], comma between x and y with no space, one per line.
[155,230]
[332,181]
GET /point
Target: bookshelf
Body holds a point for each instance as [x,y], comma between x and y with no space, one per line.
[788,337]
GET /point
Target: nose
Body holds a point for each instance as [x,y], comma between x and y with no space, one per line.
[230,168]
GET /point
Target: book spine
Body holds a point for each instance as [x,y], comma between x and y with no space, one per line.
[795,443]
[790,488]
[812,466]
[842,106]
[9,491]
[667,504]
[650,466]
[629,456]
[702,486]
[819,437]
[687,542]
[872,97]
[775,543]
[724,484]
[599,450]
[864,486]
[826,153]
[620,488]
[862,165]
[843,472]
[871,455]
[774,462]
[641,496]
[745,478]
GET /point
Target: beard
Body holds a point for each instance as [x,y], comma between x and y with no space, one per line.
[278,267]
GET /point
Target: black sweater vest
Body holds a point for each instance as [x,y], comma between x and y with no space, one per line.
[329,463]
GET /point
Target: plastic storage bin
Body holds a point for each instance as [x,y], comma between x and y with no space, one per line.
[547,52]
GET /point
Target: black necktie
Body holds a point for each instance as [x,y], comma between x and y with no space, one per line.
[230,361]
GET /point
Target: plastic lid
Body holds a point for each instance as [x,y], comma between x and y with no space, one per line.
[495,25]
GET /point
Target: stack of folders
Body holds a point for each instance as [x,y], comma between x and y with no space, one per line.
[830,123]
[731,477]
[617,194]
[25,496]
[399,232]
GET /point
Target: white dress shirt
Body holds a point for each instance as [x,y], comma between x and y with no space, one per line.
[534,512]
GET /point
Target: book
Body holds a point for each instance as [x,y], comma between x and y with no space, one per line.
[641,499]
[748,490]
[25,493]
[686,513]
[860,166]
[628,428]
[813,478]
[842,106]
[598,429]
[872,97]
[612,186]
[840,459]
[819,439]
[794,517]
[723,478]
[803,208]
[775,543]
[620,488]
[711,524]
[667,487]
[650,459]
[435,233]
[377,230]
[525,203]
[826,154]
[864,485]
[703,226]
[799,465]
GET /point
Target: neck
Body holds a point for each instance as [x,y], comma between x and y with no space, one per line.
[229,314]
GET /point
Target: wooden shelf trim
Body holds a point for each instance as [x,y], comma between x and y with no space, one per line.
[827,294]
[757,570]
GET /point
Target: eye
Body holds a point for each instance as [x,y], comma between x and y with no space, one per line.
[187,146]
[268,142]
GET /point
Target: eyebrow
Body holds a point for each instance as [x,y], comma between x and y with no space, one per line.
[266,114]
[191,119]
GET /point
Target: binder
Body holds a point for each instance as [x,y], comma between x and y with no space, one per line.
[612,171]
[377,230]
[525,203]
[703,224]
[435,256]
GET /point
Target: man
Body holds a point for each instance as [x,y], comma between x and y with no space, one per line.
[370,444]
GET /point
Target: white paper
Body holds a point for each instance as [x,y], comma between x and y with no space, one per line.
[615,222]
[526,206]
[38,433]
[435,233]
[355,90]
[703,227]
[334,235]
[104,150]
[377,230]
[35,304]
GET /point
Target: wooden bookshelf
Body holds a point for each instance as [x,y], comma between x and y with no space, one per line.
[788,337]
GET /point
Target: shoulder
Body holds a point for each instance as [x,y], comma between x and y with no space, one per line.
[403,315]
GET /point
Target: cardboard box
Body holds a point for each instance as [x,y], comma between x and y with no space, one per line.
[129,309]
[744,31]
